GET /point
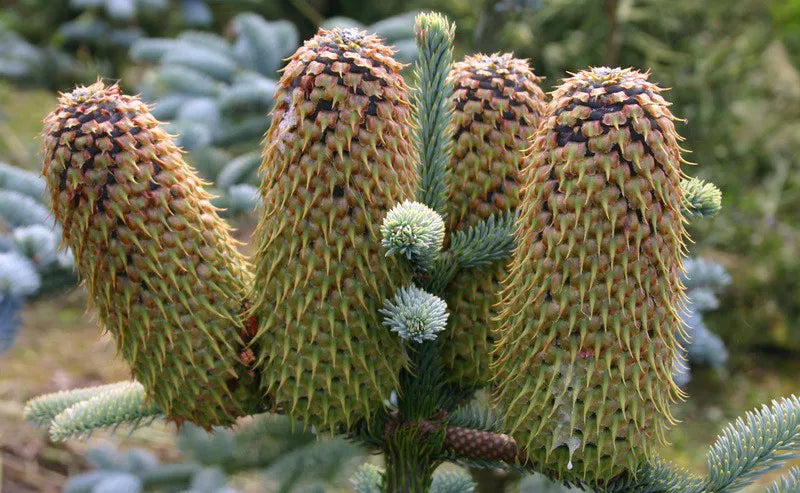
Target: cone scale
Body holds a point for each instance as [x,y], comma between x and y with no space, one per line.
[338,157]
[588,314]
[161,267]
[498,106]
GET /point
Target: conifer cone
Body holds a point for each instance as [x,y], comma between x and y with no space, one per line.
[160,265]
[589,311]
[498,107]
[338,157]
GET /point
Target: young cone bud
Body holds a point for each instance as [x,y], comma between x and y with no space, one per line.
[160,265]
[589,312]
[338,158]
[498,107]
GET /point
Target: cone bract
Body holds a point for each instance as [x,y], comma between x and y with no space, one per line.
[338,158]
[160,265]
[498,107]
[589,311]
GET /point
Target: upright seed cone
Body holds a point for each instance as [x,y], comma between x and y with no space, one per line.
[589,310]
[160,265]
[338,158]
[498,107]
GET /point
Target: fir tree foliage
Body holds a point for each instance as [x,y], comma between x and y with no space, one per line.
[294,461]
[433,103]
[77,413]
[369,479]
[788,483]
[28,65]
[31,262]
[760,442]
[700,198]
[703,279]
[42,410]
[9,320]
[215,93]
[485,242]
[84,37]
[120,23]
[452,482]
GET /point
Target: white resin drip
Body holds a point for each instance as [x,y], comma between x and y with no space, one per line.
[572,444]
[287,123]
[564,434]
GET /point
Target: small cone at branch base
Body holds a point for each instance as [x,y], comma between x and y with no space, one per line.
[589,311]
[338,158]
[498,106]
[162,268]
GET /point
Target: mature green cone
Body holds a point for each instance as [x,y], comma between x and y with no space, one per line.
[160,265]
[499,105]
[589,310]
[338,157]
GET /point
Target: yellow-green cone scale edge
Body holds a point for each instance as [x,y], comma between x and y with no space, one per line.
[338,157]
[498,106]
[161,267]
[589,312]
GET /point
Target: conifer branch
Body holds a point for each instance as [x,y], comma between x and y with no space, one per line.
[113,407]
[700,198]
[760,442]
[788,483]
[486,242]
[656,476]
[42,410]
[433,107]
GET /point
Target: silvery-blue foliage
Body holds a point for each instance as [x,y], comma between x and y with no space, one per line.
[19,180]
[18,209]
[31,262]
[243,198]
[703,280]
[9,320]
[18,275]
[205,79]
[196,13]
[39,243]
[114,21]
[26,64]
[414,314]
[294,460]
[215,92]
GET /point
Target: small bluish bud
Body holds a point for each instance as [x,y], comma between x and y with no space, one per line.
[700,198]
[18,276]
[414,230]
[415,315]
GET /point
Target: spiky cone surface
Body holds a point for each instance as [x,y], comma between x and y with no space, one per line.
[588,315]
[338,157]
[160,265]
[498,106]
